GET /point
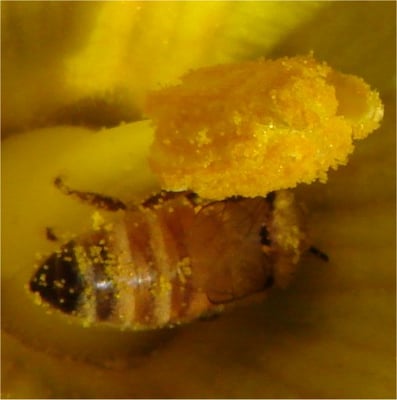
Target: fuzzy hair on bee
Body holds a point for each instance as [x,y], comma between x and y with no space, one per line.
[171,259]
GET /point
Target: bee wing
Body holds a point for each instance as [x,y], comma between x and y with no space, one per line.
[227,260]
[226,285]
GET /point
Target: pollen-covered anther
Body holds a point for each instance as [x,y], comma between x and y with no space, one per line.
[254,127]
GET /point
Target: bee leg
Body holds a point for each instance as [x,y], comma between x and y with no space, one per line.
[265,236]
[323,256]
[97,200]
[164,195]
[50,235]
[209,317]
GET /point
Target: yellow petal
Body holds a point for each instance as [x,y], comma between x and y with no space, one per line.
[93,63]
[246,129]
[332,334]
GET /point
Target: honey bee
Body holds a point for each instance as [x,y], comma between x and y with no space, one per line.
[171,259]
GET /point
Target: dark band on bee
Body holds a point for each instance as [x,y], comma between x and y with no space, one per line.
[265,236]
[104,292]
[58,280]
[270,199]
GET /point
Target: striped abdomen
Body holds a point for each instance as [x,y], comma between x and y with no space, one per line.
[167,263]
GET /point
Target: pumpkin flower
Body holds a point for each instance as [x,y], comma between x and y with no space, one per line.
[79,81]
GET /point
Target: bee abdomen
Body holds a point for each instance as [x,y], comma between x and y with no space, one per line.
[154,277]
[173,262]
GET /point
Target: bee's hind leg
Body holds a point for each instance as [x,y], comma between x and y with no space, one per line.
[164,196]
[318,253]
[95,199]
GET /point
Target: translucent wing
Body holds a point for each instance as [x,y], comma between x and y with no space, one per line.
[225,248]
